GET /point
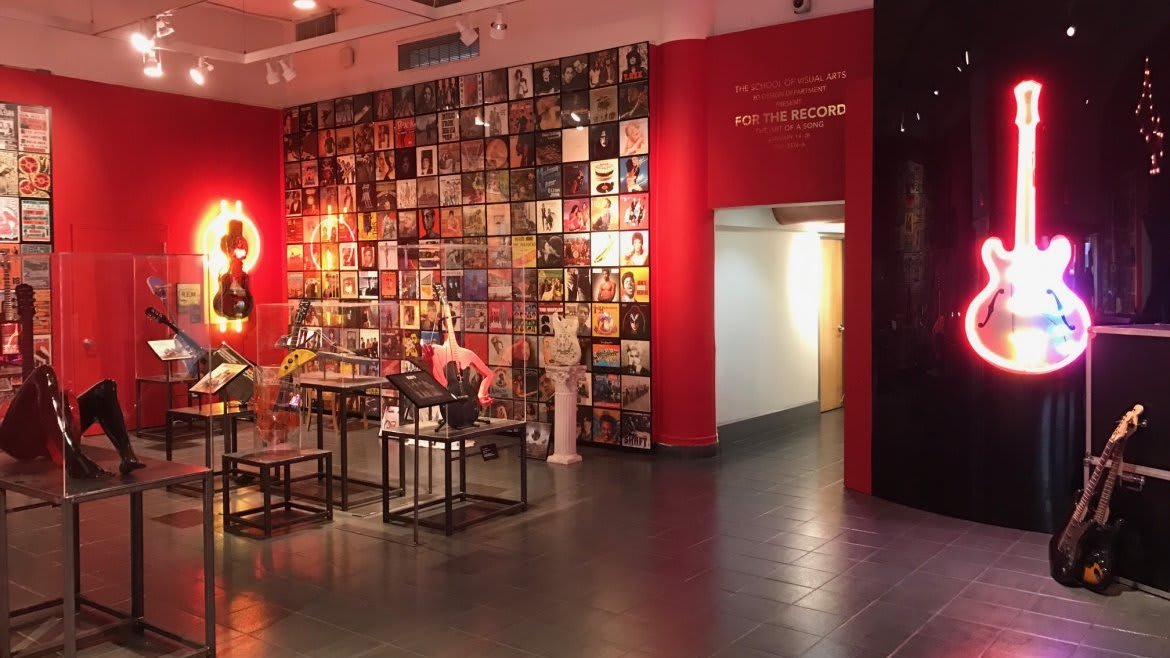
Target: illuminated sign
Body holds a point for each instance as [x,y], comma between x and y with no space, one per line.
[1026,319]
[230,245]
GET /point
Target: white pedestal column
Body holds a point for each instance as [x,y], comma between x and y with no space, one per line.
[564,432]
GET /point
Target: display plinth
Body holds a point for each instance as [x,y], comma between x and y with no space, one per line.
[564,432]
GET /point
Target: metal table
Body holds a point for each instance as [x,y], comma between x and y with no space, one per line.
[229,412]
[266,460]
[342,388]
[45,481]
[510,430]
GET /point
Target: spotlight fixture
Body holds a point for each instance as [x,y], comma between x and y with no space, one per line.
[967,57]
[466,34]
[152,64]
[141,42]
[273,77]
[1071,31]
[287,71]
[936,92]
[200,70]
[575,117]
[162,26]
[499,27]
[305,5]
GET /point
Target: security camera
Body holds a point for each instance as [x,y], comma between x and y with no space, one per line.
[801,6]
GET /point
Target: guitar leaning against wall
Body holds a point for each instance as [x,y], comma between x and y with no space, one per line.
[1082,552]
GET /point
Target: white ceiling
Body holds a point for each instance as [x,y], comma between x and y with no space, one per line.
[88,39]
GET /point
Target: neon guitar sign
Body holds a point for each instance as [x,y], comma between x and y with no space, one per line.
[1026,319]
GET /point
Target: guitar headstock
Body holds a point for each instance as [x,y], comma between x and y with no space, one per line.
[155,315]
[303,309]
[1129,423]
[440,292]
[25,300]
[1027,103]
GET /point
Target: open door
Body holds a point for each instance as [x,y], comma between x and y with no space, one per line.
[832,325]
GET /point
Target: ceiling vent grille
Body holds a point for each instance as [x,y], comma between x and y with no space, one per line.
[317,27]
[432,52]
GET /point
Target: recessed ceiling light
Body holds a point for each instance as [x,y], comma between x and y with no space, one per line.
[1071,31]
[305,5]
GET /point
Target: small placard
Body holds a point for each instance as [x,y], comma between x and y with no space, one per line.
[489,452]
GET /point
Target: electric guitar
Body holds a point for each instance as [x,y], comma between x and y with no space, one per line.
[1027,319]
[1100,563]
[26,308]
[464,411]
[190,343]
[8,330]
[1067,549]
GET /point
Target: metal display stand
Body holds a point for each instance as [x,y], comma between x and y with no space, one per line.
[46,482]
[512,430]
[229,414]
[169,380]
[342,388]
[266,460]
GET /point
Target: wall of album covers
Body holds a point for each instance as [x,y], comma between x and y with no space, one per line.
[542,171]
[26,190]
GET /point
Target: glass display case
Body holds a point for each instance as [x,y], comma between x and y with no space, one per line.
[171,328]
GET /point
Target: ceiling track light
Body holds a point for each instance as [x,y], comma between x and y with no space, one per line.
[272,77]
[466,34]
[141,43]
[200,71]
[152,64]
[499,27]
[162,25]
[287,71]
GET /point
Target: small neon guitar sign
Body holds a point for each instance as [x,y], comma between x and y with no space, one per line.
[1027,319]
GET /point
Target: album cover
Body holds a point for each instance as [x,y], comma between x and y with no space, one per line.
[363,138]
[633,211]
[470,90]
[635,430]
[548,182]
[606,356]
[576,215]
[575,109]
[523,184]
[33,122]
[499,317]
[366,198]
[425,98]
[548,147]
[523,218]
[388,285]
[329,257]
[546,77]
[429,258]
[633,100]
[635,284]
[496,153]
[403,103]
[451,224]
[426,129]
[578,288]
[603,68]
[292,147]
[313,286]
[292,172]
[548,112]
[635,322]
[635,248]
[367,256]
[386,196]
[447,90]
[523,250]
[605,248]
[495,86]
[524,288]
[574,145]
[345,143]
[499,252]
[520,83]
[603,213]
[296,285]
[8,137]
[325,115]
[472,156]
[292,203]
[605,421]
[550,285]
[576,177]
[499,284]
[449,158]
[635,174]
[34,174]
[475,285]
[521,117]
[499,350]
[474,221]
[550,251]
[634,61]
[383,135]
[404,137]
[310,200]
[214,381]
[427,190]
[349,285]
[408,253]
[605,284]
[311,228]
[363,108]
[603,104]
[605,320]
[635,393]
[407,194]
[9,177]
[496,120]
[634,137]
[296,257]
[497,186]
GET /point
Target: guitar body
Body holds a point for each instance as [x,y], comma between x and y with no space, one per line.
[465,411]
[233,300]
[1099,564]
[1027,318]
[1066,552]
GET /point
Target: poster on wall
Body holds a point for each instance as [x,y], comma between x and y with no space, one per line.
[547,168]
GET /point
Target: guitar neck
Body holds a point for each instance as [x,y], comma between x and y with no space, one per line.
[1027,103]
[1082,509]
[1101,514]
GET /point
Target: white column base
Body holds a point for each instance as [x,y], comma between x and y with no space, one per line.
[564,432]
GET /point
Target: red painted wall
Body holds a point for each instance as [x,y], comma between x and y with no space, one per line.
[134,169]
[786,70]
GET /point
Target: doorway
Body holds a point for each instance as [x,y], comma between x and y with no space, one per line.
[831,367]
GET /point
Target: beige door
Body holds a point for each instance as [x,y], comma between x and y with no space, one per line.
[832,325]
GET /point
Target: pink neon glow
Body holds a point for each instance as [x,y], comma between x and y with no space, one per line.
[1026,319]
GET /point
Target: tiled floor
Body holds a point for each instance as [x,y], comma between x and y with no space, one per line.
[758,553]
